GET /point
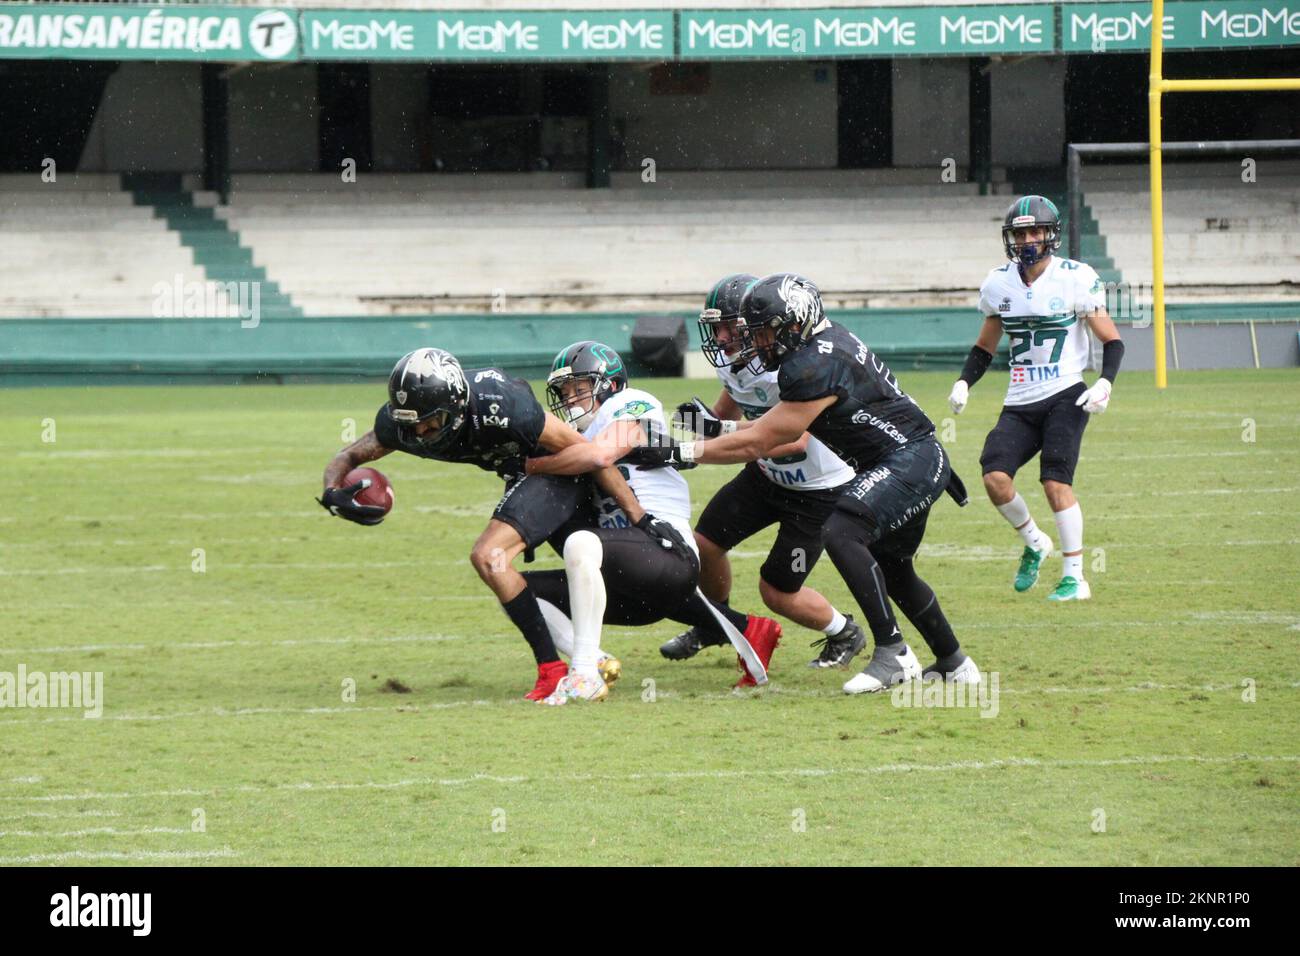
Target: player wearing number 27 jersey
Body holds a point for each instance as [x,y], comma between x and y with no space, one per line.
[1045,305]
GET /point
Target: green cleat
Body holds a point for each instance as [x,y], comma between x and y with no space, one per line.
[1030,561]
[1071,589]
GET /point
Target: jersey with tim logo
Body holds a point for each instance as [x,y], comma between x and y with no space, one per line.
[871,416]
[816,468]
[1049,342]
[503,421]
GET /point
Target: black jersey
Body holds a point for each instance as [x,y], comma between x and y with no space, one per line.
[503,421]
[871,416]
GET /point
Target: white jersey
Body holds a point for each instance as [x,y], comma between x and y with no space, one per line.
[662,491]
[1049,344]
[817,468]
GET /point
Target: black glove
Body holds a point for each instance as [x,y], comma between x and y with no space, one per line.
[661,451]
[340,502]
[666,535]
[694,416]
[511,469]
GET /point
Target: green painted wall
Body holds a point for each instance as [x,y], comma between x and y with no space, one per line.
[73,351]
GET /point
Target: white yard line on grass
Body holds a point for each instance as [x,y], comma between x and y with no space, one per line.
[250,566]
[890,768]
[93,831]
[260,711]
[46,815]
[224,853]
[221,645]
[1155,492]
[511,702]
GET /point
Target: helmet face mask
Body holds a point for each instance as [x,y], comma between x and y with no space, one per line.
[720,325]
[1029,213]
[779,314]
[427,398]
[573,399]
[583,376]
[720,337]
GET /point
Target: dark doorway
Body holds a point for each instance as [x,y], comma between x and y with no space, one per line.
[1106,97]
[343,91]
[46,111]
[865,90]
[509,118]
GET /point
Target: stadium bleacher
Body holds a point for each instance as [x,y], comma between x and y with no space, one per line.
[79,246]
[1219,231]
[421,243]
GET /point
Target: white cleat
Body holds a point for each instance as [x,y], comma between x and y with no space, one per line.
[577,687]
[964,673]
[889,665]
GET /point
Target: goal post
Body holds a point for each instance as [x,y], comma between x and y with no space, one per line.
[1158,86]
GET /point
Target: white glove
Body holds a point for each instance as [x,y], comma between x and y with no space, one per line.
[958,396]
[1095,399]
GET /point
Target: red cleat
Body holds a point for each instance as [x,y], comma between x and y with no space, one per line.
[548,675]
[763,634]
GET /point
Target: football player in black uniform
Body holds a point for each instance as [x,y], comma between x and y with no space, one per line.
[483,417]
[794,487]
[833,387]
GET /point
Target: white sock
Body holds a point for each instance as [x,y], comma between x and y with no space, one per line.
[837,623]
[1069,523]
[583,554]
[1017,514]
[561,627]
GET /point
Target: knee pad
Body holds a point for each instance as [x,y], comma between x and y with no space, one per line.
[583,549]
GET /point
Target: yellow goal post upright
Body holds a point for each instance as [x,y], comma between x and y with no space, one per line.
[1158,86]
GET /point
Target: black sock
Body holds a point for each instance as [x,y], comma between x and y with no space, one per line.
[696,613]
[917,601]
[932,624]
[524,613]
[846,543]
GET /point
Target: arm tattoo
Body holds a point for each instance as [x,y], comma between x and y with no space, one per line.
[364,449]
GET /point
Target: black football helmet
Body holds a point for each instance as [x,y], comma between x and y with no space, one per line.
[721,310]
[1027,212]
[428,385]
[599,366]
[790,306]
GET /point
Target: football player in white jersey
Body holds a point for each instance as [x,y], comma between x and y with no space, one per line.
[795,487]
[1045,305]
[620,573]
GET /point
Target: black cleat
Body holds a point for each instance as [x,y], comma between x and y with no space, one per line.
[838,650]
[689,643]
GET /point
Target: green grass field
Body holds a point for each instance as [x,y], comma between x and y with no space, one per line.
[224,690]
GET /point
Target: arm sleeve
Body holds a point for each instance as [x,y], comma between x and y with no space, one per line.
[977,363]
[1111,355]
